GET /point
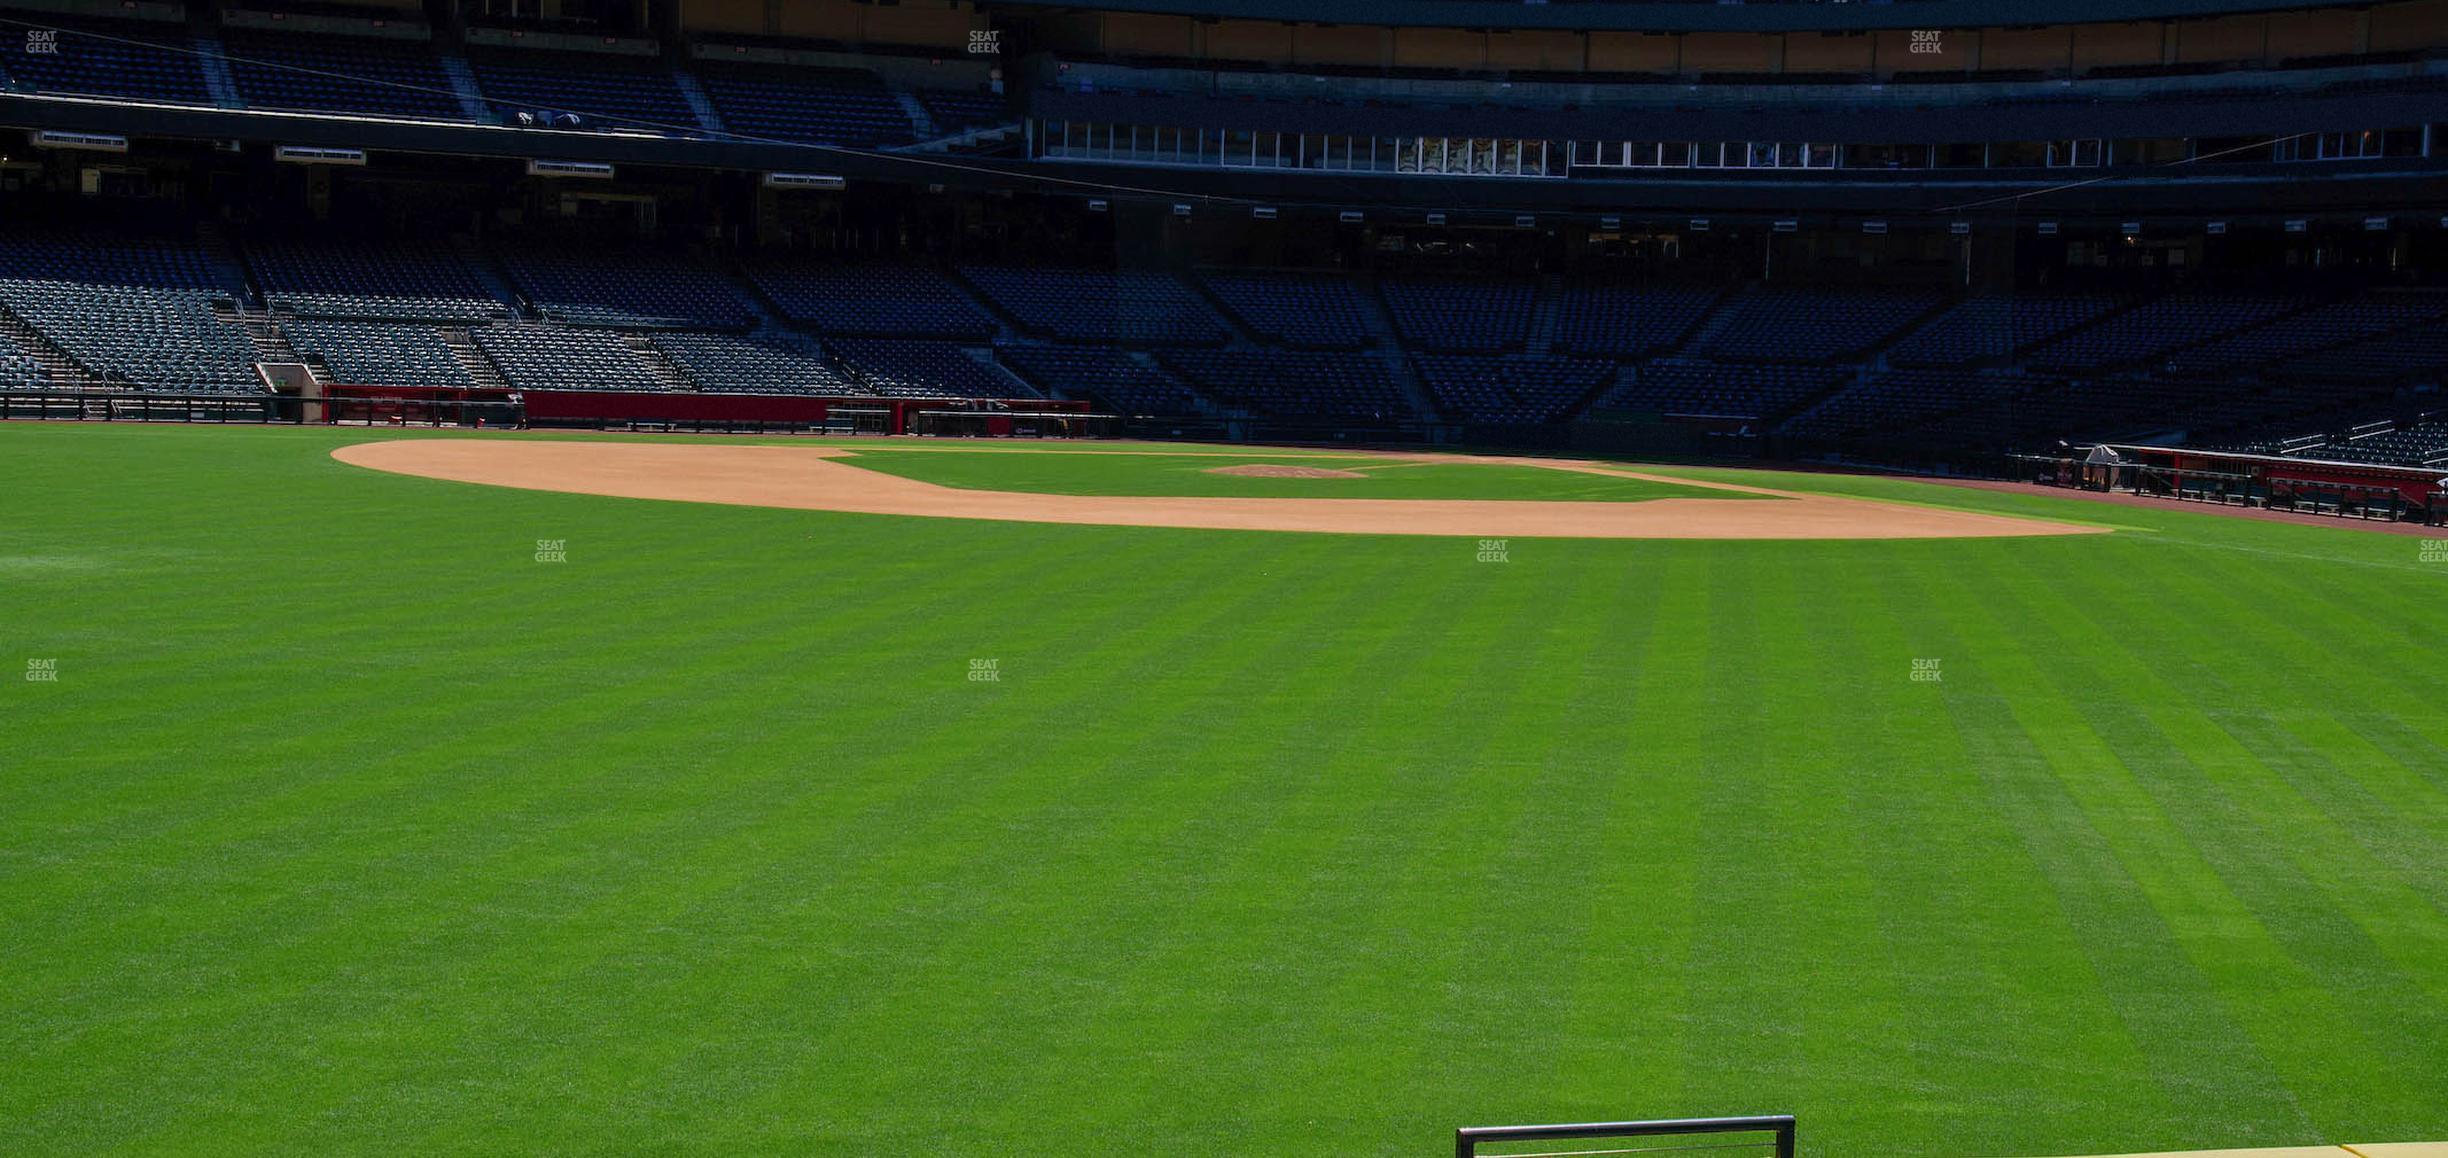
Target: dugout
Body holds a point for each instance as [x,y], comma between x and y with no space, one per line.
[2355,490]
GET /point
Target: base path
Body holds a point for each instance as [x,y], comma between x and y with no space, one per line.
[809,478]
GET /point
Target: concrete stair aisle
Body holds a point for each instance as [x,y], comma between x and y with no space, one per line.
[271,345]
[57,366]
[770,319]
[922,123]
[488,274]
[1624,378]
[1243,338]
[698,102]
[228,266]
[1862,376]
[218,82]
[1545,307]
[1021,387]
[667,373]
[1386,342]
[1207,407]
[1715,323]
[463,85]
[471,357]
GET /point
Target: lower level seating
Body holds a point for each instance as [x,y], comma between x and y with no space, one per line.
[1098,305]
[2158,326]
[17,366]
[1282,382]
[1992,326]
[1688,387]
[2420,445]
[1782,323]
[1628,321]
[151,338]
[912,369]
[554,358]
[1902,399]
[641,286]
[2417,352]
[1481,315]
[1116,380]
[2354,320]
[1509,390]
[725,364]
[379,354]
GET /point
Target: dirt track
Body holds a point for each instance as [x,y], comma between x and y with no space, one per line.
[808,478]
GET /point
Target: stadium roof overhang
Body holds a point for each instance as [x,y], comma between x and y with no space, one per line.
[2240,192]
[1611,15]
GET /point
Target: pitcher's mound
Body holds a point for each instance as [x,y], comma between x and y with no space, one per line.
[1276,470]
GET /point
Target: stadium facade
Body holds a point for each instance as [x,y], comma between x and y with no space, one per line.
[1927,231]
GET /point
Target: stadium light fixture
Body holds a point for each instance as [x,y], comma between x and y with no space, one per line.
[590,170]
[803,181]
[318,155]
[80,142]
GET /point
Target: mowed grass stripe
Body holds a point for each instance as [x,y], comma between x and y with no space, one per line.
[2141,893]
[2004,1013]
[1856,1023]
[1055,936]
[2082,953]
[498,826]
[2284,958]
[1346,937]
[1633,985]
[811,873]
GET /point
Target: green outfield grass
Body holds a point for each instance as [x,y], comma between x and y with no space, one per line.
[1100,471]
[348,827]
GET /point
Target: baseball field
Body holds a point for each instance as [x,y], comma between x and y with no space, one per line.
[347,807]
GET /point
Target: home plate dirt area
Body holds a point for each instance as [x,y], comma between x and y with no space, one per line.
[814,478]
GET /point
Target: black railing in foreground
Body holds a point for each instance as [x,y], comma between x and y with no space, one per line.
[1468,1139]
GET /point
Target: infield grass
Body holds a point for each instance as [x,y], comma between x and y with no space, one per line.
[350,827]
